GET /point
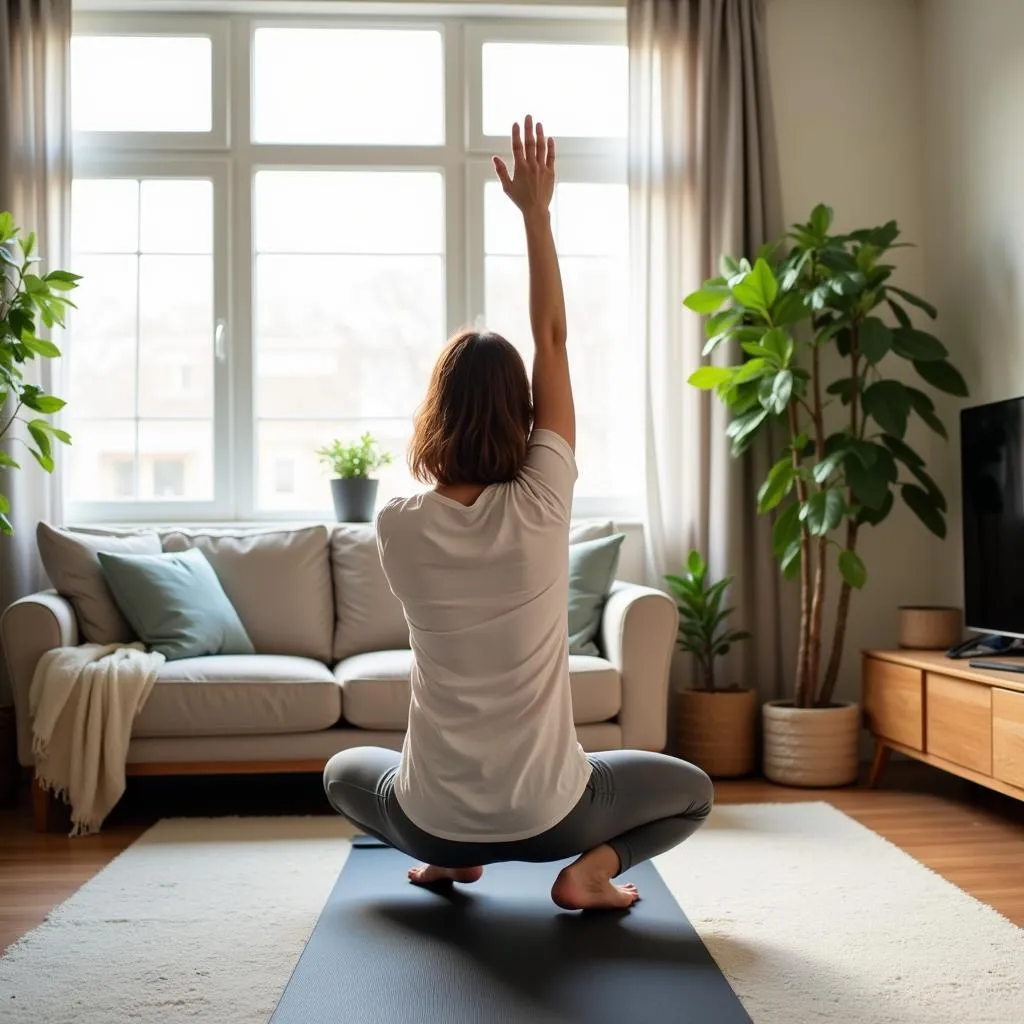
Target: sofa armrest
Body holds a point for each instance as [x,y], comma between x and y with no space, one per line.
[638,634]
[29,628]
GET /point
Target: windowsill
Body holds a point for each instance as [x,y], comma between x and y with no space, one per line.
[630,522]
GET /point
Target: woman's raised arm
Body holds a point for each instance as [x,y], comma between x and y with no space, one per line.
[530,186]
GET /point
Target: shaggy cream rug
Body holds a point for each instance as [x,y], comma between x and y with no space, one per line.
[812,917]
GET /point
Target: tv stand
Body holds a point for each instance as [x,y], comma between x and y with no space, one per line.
[966,720]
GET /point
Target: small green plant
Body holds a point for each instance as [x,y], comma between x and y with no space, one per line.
[702,619]
[24,296]
[352,461]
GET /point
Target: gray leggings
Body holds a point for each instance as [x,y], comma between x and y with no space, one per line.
[639,803]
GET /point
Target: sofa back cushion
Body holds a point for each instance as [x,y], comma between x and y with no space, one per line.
[279,582]
[71,561]
[369,617]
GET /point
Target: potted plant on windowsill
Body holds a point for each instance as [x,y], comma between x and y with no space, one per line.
[717,725]
[353,489]
[838,440]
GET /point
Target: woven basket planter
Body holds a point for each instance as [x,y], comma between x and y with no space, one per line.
[811,746]
[717,730]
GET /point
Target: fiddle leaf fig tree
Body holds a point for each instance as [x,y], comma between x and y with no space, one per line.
[27,296]
[841,455]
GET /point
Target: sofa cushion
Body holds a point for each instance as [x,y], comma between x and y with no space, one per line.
[368,616]
[279,582]
[72,564]
[376,689]
[175,603]
[240,695]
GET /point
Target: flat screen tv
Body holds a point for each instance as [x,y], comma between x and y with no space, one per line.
[992,476]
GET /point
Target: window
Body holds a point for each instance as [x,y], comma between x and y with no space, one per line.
[251,295]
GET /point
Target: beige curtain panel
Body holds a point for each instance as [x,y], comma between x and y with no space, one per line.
[35,185]
[703,179]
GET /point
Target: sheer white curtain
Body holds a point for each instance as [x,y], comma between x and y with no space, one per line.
[35,185]
[703,181]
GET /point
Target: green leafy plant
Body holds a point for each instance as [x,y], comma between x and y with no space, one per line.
[349,461]
[702,619]
[840,441]
[26,296]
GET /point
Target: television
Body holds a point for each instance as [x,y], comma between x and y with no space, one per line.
[992,479]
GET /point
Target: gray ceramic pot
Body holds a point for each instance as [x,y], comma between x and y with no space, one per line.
[354,499]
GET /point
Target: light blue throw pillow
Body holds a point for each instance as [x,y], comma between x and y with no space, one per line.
[175,604]
[592,568]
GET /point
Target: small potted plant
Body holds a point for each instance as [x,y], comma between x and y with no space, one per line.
[717,725]
[353,489]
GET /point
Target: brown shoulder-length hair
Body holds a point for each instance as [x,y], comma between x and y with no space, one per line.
[474,424]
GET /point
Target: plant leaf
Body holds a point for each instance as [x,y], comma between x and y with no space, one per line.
[852,569]
[930,486]
[843,388]
[40,346]
[779,392]
[710,377]
[925,408]
[918,345]
[923,505]
[824,469]
[777,485]
[786,528]
[789,309]
[888,404]
[902,451]
[869,485]
[707,299]
[790,561]
[874,516]
[823,511]
[874,339]
[757,290]
[900,313]
[914,300]
[944,376]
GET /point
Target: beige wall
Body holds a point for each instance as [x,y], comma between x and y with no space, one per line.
[974,111]
[847,84]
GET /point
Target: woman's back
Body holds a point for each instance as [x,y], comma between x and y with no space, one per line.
[490,753]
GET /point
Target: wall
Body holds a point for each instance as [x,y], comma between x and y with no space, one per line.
[847,83]
[974,112]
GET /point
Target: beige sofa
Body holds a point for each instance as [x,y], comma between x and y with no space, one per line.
[332,668]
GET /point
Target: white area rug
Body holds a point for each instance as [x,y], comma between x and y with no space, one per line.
[812,917]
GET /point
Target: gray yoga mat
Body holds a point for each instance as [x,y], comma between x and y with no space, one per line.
[498,952]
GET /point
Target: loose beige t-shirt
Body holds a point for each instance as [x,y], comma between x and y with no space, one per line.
[491,753]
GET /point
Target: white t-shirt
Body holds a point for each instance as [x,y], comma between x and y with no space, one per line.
[491,753]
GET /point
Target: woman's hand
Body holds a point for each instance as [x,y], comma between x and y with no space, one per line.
[532,181]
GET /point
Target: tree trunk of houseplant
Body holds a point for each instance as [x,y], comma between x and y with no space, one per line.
[355,499]
[717,730]
[811,746]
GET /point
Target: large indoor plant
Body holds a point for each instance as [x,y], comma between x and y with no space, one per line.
[26,297]
[818,326]
[353,489]
[716,723]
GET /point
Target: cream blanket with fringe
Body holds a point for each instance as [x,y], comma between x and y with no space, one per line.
[82,704]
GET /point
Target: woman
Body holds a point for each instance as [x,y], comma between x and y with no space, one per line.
[491,769]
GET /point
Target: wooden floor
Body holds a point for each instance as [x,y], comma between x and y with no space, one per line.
[969,835]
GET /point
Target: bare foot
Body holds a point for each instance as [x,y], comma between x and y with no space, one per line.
[427,874]
[587,884]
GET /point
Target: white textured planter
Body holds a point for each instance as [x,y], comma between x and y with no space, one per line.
[811,746]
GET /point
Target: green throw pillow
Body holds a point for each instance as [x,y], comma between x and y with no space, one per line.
[175,604]
[592,567]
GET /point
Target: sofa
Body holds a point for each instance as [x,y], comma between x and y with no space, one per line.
[332,664]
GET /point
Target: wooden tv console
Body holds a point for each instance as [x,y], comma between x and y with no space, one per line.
[964,720]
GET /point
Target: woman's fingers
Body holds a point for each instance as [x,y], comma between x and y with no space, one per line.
[517,144]
[531,139]
[541,150]
[503,176]
[551,154]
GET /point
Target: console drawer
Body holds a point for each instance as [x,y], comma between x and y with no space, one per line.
[892,702]
[1008,736]
[959,722]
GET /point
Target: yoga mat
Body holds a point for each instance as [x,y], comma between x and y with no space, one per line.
[498,952]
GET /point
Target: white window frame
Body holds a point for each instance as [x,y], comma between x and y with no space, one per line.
[231,159]
[175,26]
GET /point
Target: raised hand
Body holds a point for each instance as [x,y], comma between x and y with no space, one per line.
[532,181]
